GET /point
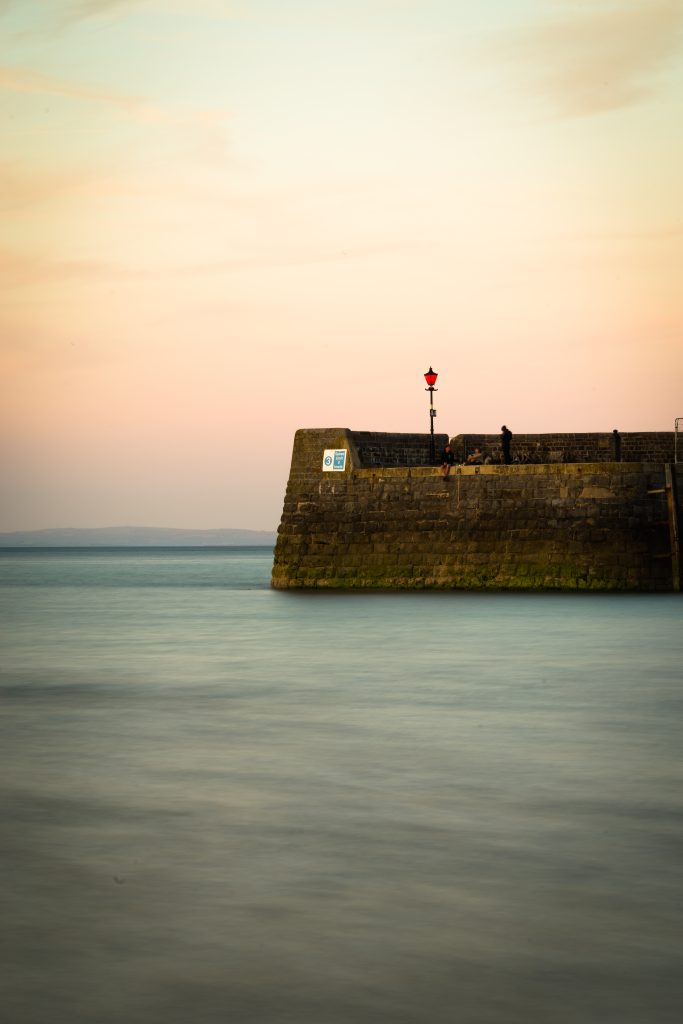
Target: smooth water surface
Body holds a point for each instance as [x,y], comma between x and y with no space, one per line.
[222,803]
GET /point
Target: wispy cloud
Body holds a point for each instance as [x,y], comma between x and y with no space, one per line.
[657,234]
[62,14]
[22,187]
[19,269]
[25,80]
[22,270]
[604,55]
[77,9]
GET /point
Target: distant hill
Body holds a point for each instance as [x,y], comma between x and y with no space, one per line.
[136,536]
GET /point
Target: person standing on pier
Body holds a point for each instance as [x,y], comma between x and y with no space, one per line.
[505,438]
[616,445]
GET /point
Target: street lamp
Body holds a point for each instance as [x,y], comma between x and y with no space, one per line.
[430,377]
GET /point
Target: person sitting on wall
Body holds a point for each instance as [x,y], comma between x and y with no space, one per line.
[475,458]
[447,460]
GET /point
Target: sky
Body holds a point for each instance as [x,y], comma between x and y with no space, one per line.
[223,220]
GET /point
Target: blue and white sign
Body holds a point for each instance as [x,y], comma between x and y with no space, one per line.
[334,460]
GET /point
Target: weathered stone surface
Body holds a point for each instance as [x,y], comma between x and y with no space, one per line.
[554,526]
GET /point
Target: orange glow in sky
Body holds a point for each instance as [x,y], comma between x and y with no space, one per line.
[224,221]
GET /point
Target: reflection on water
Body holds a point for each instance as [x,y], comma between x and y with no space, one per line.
[222,803]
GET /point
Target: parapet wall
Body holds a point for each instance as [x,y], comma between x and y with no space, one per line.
[653,446]
[373,448]
[599,525]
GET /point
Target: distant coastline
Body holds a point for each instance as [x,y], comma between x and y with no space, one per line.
[136,536]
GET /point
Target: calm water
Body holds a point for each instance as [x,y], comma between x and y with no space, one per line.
[226,804]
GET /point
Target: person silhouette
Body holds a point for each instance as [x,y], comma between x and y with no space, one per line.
[616,445]
[505,438]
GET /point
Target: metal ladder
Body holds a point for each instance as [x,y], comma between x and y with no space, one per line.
[670,491]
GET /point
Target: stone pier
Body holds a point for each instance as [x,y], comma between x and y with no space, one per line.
[584,525]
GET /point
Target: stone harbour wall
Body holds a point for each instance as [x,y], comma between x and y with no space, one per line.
[576,526]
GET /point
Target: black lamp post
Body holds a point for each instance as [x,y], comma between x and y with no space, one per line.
[430,377]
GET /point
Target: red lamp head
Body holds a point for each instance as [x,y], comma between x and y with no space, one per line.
[430,377]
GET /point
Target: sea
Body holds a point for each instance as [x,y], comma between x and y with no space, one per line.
[225,804]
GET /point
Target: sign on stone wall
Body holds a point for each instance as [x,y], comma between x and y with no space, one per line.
[334,460]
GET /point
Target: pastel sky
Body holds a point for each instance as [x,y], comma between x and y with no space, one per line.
[223,220]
